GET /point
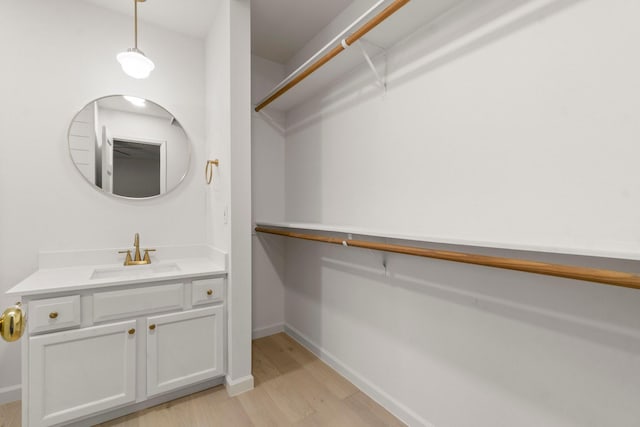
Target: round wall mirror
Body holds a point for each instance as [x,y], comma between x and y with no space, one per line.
[129,147]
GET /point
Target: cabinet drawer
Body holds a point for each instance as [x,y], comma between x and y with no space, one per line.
[207,291]
[52,314]
[133,302]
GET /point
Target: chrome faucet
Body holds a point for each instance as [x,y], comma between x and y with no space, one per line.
[137,259]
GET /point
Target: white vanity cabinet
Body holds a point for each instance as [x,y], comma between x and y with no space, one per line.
[183,348]
[113,349]
[80,372]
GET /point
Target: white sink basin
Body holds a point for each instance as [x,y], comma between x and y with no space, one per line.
[133,271]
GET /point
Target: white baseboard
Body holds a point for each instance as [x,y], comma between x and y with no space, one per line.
[239,386]
[399,410]
[10,394]
[267,330]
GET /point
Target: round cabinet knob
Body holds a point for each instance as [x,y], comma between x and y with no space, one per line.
[152,327]
[210,292]
[53,315]
[132,331]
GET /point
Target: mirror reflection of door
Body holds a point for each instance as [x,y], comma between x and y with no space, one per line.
[104,164]
[138,168]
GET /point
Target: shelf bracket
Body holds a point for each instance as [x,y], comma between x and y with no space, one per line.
[380,80]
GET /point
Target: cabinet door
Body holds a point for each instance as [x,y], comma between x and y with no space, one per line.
[77,373]
[184,348]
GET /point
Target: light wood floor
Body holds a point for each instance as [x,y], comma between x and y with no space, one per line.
[292,388]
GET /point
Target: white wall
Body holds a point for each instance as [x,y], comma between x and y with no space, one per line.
[525,136]
[267,189]
[533,140]
[218,129]
[65,58]
[229,139]
[447,344]
[239,377]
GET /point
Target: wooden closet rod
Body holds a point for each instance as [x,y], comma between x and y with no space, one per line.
[374,22]
[607,277]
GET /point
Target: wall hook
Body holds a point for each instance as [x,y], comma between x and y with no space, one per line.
[385,264]
[208,171]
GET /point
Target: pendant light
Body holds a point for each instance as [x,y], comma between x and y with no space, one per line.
[133,61]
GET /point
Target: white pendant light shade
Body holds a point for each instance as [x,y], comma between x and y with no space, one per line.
[135,64]
[133,61]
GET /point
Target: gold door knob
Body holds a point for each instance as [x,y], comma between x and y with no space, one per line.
[152,326]
[53,315]
[132,331]
[12,323]
[210,292]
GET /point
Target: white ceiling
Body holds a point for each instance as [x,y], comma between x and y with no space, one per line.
[279,27]
[191,17]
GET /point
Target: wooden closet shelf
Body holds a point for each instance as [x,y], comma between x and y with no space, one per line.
[606,277]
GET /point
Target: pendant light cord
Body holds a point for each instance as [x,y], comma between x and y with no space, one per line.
[133,61]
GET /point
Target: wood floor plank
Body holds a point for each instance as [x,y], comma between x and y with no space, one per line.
[10,414]
[371,412]
[285,393]
[277,355]
[310,389]
[229,413]
[328,409]
[293,388]
[294,349]
[158,415]
[336,413]
[210,397]
[262,410]
[336,383]
[263,370]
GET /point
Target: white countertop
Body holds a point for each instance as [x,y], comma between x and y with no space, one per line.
[78,278]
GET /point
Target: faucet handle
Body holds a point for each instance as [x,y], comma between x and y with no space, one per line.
[147,258]
[127,259]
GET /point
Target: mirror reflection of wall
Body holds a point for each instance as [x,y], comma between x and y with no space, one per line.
[129,147]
